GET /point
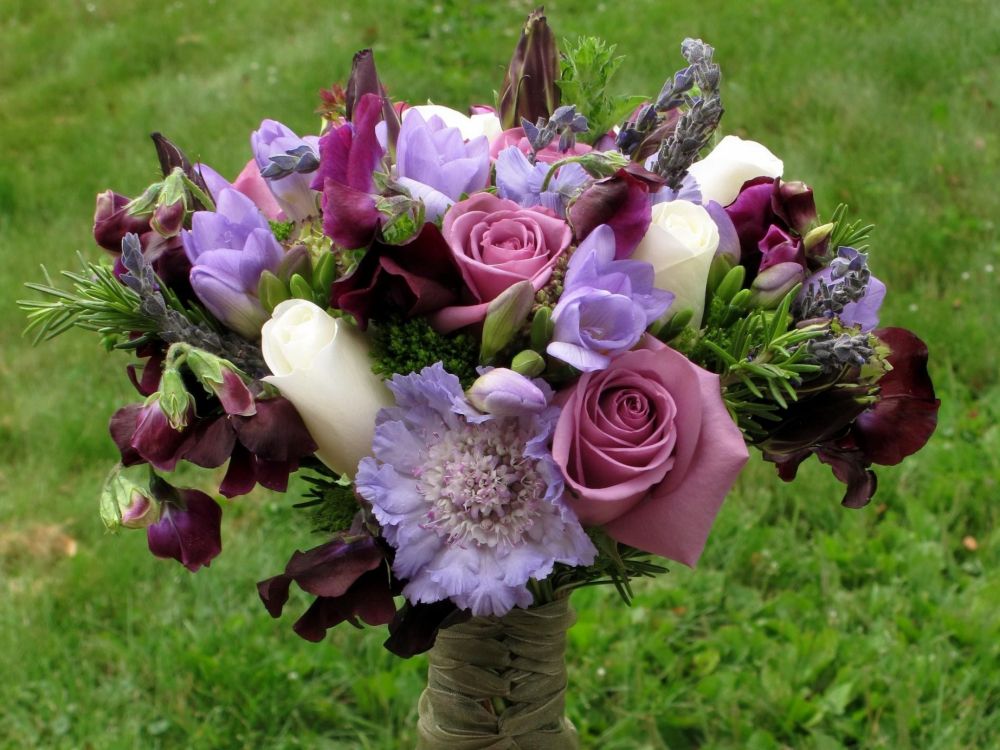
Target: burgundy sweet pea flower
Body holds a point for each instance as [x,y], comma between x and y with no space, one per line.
[348,576]
[416,278]
[496,244]
[349,155]
[898,425]
[778,246]
[188,530]
[622,202]
[649,451]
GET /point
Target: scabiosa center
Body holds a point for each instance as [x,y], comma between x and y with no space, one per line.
[472,502]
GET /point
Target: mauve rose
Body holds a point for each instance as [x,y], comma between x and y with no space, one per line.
[496,244]
[649,451]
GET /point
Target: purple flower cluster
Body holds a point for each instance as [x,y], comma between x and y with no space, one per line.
[606,305]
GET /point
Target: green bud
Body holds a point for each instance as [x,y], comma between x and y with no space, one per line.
[817,235]
[145,203]
[124,504]
[324,273]
[721,265]
[173,190]
[174,399]
[271,291]
[731,283]
[602,163]
[529,363]
[300,288]
[541,329]
[504,318]
[206,367]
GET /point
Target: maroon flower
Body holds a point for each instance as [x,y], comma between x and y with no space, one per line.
[412,279]
[620,201]
[898,425]
[189,529]
[350,578]
[349,155]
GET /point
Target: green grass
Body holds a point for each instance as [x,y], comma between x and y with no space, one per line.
[805,626]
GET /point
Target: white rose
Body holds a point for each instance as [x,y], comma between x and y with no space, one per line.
[721,174]
[487,124]
[680,244]
[321,365]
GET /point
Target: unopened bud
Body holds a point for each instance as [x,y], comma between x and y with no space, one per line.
[504,318]
[772,284]
[529,363]
[506,393]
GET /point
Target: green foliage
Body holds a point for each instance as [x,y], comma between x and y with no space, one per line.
[98,302]
[282,230]
[330,501]
[848,234]
[405,346]
[587,69]
[616,565]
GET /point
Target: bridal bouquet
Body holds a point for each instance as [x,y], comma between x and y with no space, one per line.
[510,353]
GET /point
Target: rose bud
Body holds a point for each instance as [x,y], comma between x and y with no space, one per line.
[505,393]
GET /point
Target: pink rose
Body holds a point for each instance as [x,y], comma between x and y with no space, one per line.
[649,451]
[548,155]
[497,244]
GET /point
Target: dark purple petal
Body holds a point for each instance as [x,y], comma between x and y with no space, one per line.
[122,428]
[350,217]
[241,474]
[155,440]
[234,395]
[529,89]
[620,201]
[189,531]
[793,203]
[274,593]
[332,568]
[275,432]
[905,416]
[414,628]
[851,467]
[778,246]
[412,279]
[112,222]
[752,217]
[209,442]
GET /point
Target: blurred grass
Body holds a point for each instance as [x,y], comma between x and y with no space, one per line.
[806,625]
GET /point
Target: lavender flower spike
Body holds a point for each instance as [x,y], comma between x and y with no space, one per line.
[606,304]
[229,249]
[477,547]
[286,161]
[435,163]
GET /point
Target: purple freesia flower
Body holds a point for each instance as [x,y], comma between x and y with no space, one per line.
[229,249]
[476,547]
[521,181]
[606,304]
[436,165]
[292,191]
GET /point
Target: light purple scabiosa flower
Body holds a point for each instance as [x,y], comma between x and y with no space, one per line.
[229,248]
[287,162]
[521,181]
[606,304]
[472,502]
[436,165]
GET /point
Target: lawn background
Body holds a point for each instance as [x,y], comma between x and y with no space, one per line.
[805,626]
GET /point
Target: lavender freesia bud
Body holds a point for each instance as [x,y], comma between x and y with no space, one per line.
[505,393]
[771,285]
[279,151]
[229,249]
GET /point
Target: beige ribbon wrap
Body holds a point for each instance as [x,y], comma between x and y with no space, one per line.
[499,683]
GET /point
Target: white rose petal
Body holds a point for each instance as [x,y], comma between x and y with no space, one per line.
[730,164]
[487,124]
[680,244]
[321,365]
